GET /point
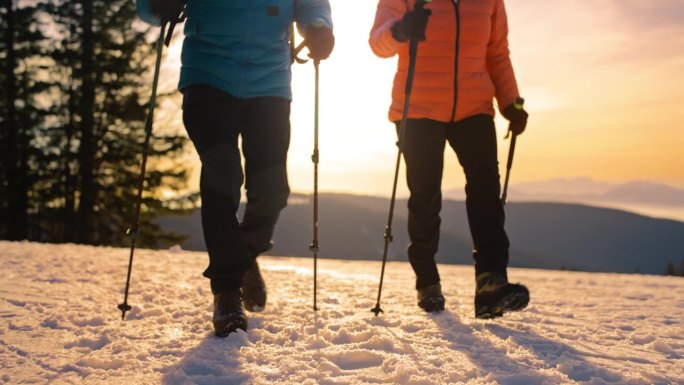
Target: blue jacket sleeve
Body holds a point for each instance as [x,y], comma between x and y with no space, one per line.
[309,11]
[144,12]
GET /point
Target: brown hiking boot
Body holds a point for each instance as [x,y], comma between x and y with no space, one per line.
[229,314]
[431,299]
[254,289]
[494,296]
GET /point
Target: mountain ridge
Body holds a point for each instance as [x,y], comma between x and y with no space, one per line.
[543,235]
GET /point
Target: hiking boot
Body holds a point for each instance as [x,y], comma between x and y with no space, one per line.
[494,296]
[229,314]
[431,299]
[254,289]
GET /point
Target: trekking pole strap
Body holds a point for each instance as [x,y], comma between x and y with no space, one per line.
[179,18]
[296,50]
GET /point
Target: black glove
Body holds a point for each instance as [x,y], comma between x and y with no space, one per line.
[517,116]
[320,41]
[412,26]
[167,10]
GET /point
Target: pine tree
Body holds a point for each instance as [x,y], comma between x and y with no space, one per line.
[670,270]
[96,71]
[22,48]
[110,86]
[7,115]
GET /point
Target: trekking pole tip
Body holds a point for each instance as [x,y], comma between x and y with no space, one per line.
[377,309]
[124,307]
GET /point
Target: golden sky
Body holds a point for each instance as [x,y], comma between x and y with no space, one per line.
[603,82]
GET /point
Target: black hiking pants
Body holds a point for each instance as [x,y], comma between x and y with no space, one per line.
[214,119]
[474,141]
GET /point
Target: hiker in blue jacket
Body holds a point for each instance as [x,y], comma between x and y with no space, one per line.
[235,79]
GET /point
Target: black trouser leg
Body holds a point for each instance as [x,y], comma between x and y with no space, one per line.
[474,140]
[212,120]
[423,149]
[265,141]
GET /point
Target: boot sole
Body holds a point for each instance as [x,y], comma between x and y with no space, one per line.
[227,327]
[511,302]
[254,308]
[252,305]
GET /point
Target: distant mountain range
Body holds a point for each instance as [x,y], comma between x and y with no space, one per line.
[585,190]
[543,235]
[643,197]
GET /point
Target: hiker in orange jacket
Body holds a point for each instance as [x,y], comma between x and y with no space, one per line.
[463,63]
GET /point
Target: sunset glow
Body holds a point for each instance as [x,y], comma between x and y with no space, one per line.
[602,81]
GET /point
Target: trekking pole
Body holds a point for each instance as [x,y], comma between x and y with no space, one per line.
[313,246]
[518,104]
[413,53]
[134,229]
[314,158]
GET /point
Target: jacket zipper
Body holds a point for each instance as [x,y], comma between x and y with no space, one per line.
[456,53]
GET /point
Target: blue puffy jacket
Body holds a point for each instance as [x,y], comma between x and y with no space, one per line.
[241,46]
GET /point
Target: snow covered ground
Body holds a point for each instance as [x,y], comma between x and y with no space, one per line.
[59,324]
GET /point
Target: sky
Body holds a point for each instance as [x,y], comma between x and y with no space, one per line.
[59,325]
[602,81]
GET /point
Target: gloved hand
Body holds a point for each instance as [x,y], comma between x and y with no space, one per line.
[320,41]
[517,116]
[412,26]
[166,10]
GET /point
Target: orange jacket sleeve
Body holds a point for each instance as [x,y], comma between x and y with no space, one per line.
[381,41]
[499,60]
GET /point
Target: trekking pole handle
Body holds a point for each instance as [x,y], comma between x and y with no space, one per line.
[413,52]
[518,104]
[295,53]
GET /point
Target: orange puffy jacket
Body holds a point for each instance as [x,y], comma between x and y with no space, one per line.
[461,66]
